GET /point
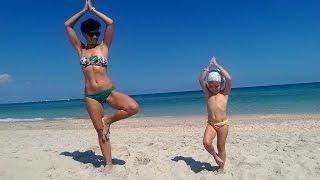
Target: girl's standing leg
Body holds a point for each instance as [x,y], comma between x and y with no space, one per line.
[222,134]
[209,134]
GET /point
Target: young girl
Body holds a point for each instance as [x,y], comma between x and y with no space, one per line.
[216,86]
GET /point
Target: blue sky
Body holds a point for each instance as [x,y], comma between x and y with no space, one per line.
[160,46]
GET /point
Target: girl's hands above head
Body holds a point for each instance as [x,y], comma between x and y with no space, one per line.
[213,61]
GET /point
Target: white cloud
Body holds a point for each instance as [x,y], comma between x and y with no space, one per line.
[5,78]
[28,83]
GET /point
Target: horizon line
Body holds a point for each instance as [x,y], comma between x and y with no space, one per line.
[242,87]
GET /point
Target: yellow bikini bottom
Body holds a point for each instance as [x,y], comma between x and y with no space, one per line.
[218,125]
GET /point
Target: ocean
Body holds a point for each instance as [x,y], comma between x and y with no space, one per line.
[278,99]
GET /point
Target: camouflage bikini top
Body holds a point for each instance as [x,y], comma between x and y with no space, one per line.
[93,60]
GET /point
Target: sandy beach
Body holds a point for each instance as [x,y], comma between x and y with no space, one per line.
[283,146]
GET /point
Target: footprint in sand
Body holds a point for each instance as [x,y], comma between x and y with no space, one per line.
[142,159]
[123,151]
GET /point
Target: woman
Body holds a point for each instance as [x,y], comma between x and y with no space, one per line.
[98,87]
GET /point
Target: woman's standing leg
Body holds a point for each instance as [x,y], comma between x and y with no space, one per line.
[96,113]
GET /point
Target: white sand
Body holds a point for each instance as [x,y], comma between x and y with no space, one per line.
[258,147]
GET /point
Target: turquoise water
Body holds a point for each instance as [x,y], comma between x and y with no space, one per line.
[280,99]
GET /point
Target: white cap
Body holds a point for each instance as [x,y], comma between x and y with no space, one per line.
[214,76]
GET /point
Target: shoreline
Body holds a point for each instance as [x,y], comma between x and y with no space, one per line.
[241,116]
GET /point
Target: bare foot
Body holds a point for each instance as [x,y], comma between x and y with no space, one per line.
[108,168]
[218,160]
[220,170]
[106,128]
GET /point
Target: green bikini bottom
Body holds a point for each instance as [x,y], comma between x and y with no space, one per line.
[101,96]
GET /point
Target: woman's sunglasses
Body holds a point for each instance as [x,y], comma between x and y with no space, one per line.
[91,34]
